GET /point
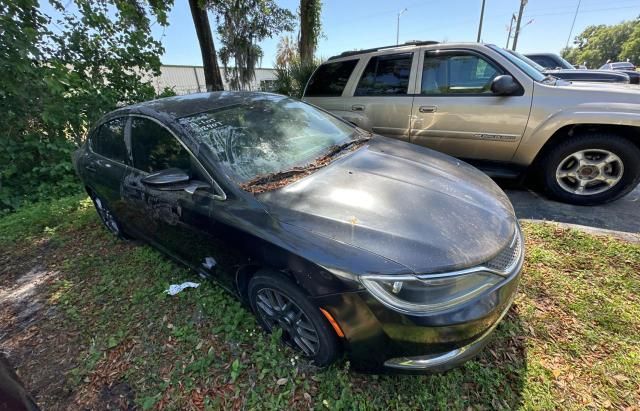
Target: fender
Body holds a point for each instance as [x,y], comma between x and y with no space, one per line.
[541,129]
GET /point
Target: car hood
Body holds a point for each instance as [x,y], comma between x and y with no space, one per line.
[419,208]
[622,89]
[583,71]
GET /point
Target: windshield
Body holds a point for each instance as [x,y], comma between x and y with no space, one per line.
[623,66]
[267,134]
[527,60]
[523,65]
[565,63]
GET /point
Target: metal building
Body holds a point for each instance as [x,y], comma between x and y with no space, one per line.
[190,79]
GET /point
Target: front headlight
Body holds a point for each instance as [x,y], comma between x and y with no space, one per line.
[413,295]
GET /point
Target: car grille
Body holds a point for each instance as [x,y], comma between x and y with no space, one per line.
[505,261]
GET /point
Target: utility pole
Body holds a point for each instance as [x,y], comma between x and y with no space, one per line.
[515,37]
[513,18]
[575,16]
[481,18]
[400,13]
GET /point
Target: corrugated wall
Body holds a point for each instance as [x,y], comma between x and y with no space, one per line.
[190,79]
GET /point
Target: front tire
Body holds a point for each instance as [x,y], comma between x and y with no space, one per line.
[591,169]
[279,303]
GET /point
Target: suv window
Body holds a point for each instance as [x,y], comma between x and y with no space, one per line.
[386,75]
[457,74]
[330,79]
[154,148]
[108,140]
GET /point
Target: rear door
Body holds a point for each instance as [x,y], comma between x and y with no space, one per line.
[106,162]
[381,99]
[327,85]
[454,110]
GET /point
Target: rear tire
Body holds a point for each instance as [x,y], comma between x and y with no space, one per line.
[278,303]
[106,216]
[590,169]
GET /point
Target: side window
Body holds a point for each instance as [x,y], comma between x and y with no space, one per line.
[457,74]
[108,140]
[330,79]
[154,148]
[386,75]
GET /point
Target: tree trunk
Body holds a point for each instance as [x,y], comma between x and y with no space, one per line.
[307,41]
[212,76]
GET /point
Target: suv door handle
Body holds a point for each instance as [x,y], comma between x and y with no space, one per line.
[90,167]
[428,109]
[357,107]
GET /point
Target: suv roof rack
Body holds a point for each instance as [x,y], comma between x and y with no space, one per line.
[408,43]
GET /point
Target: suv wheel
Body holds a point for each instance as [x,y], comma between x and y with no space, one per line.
[278,303]
[591,169]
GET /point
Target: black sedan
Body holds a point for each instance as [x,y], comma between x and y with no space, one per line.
[398,256]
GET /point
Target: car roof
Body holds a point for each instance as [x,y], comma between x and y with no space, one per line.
[186,105]
[408,46]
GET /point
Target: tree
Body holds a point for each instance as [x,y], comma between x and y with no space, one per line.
[310,28]
[597,44]
[212,77]
[241,25]
[55,83]
[292,73]
[286,51]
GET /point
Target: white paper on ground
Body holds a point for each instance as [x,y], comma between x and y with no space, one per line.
[176,288]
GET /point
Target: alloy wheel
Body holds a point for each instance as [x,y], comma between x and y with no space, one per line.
[107,218]
[279,311]
[589,172]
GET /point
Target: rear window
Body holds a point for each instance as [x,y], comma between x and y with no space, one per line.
[108,141]
[330,79]
[386,75]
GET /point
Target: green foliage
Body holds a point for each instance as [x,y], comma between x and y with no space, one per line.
[58,76]
[242,24]
[597,44]
[292,78]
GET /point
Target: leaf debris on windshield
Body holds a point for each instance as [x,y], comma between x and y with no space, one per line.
[273,181]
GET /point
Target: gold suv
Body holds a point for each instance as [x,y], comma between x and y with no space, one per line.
[491,108]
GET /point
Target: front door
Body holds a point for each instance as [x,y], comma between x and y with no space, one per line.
[455,112]
[176,221]
[381,101]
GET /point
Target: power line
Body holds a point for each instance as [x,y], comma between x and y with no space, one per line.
[575,16]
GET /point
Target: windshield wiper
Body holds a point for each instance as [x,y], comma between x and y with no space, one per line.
[272,181]
[351,143]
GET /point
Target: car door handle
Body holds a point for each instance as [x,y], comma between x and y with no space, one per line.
[428,109]
[357,107]
[90,167]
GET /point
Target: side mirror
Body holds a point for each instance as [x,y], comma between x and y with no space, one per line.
[166,178]
[173,179]
[504,85]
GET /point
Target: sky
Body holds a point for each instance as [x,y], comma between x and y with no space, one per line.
[361,24]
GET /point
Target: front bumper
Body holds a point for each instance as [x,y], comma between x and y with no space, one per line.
[378,338]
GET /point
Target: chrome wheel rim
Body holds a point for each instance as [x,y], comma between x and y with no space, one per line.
[279,311]
[589,172]
[106,216]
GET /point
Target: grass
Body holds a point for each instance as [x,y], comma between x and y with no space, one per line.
[571,341]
